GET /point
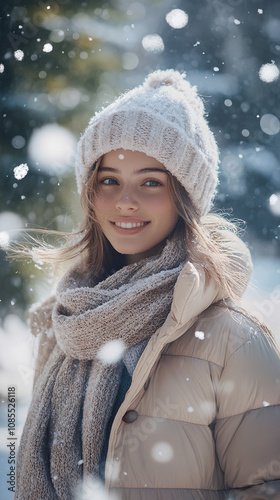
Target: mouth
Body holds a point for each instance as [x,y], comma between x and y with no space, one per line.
[127,228]
[130,225]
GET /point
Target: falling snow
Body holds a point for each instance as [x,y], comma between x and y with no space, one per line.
[19,55]
[111,352]
[162,452]
[228,103]
[91,488]
[153,43]
[21,171]
[274,204]
[52,96]
[199,335]
[52,147]
[4,239]
[49,331]
[269,73]
[47,47]
[177,18]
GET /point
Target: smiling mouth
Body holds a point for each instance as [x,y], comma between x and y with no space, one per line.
[129,225]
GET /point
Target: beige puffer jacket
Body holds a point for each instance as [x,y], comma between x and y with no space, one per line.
[201,419]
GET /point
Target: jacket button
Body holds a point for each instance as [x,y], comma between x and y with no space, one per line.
[130,416]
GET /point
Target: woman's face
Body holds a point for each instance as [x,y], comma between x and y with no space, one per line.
[133,204]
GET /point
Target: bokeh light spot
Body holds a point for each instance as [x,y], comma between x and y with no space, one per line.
[269,73]
[270,124]
[177,18]
[162,452]
[153,43]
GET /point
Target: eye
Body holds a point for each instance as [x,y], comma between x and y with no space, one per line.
[153,183]
[108,181]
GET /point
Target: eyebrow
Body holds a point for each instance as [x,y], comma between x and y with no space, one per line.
[141,171]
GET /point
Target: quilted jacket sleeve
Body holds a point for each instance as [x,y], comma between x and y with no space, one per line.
[247,430]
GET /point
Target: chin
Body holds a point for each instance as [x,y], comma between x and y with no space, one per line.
[130,251]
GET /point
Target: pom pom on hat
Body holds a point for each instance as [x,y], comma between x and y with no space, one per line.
[178,81]
[163,118]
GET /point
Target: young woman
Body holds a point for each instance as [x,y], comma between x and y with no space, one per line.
[149,376]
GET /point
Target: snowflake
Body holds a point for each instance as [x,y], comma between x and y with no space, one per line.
[199,335]
[21,171]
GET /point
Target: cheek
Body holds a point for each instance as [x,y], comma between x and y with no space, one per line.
[163,205]
[101,204]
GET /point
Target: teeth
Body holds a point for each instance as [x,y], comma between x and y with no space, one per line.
[130,225]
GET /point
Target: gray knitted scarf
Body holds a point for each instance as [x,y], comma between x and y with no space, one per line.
[95,323]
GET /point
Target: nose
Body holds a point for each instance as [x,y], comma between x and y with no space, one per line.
[127,201]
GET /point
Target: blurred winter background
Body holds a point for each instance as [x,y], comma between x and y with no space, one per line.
[60,62]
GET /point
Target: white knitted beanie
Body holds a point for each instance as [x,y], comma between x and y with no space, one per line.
[163,118]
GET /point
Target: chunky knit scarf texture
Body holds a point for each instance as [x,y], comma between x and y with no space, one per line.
[95,323]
